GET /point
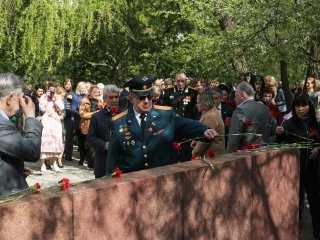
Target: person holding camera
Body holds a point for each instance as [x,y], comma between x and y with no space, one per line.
[16,147]
[52,106]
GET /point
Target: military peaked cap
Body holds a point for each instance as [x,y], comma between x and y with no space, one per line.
[141,85]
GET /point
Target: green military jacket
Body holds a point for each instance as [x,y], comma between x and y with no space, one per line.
[130,149]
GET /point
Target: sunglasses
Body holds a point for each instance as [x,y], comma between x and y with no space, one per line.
[142,98]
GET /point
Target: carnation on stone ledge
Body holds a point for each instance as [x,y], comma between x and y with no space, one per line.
[251,146]
[212,153]
[64,184]
[116,172]
[176,146]
[194,157]
[36,187]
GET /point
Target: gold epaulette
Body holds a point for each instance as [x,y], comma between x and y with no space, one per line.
[162,107]
[120,115]
[192,88]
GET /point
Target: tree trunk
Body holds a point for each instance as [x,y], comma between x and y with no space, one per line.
[285,83]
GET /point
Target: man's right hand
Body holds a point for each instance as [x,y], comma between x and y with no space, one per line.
[27,106]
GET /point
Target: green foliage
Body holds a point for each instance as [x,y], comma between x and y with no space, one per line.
[108,41]
[39,35]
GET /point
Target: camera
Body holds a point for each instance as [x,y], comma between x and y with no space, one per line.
[52,91]
[68,97]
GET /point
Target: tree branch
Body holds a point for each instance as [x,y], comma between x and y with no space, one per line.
[97,64]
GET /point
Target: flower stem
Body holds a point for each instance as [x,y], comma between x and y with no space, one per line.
[308,139]
[14,199]
[220,135]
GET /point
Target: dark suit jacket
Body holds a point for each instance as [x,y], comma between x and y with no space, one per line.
[226,112]
[132,150]
[98,135]
[15,148]
[184,103]
[256,112]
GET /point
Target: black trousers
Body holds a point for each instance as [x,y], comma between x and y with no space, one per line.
[68,148]
[91,156]
[185,152]
[309,184]
[82,145]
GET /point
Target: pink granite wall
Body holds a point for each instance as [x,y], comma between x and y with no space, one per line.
[218,206]
[254,196]
[275,195]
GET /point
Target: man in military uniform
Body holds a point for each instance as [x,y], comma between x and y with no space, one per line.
[181,97]
[142,137]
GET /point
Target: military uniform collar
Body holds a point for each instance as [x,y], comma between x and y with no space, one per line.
[184,90]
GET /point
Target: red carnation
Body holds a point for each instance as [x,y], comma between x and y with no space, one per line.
[194,157]
[101,105]
[176,146]
[251,146]
[64,184]
[116,172]
[212,153]
[249,122]
[235,150]
[257,145]
[36,187]
[114,110]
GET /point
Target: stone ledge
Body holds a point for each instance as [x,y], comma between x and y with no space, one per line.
[252,196]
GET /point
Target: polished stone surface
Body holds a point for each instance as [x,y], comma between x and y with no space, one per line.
[172,202]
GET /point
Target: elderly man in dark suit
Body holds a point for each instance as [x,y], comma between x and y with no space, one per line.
[182,99]
[15,148]
[99,129]
[249,117]
[142,137]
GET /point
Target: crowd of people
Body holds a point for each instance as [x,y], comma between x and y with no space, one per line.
[134,127]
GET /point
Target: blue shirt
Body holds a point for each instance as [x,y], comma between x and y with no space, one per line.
[3,114]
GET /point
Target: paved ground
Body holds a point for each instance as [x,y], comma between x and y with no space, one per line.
[306,231]
[76,173]
[71,170]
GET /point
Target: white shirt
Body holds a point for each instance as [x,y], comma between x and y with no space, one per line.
[137,115]
[219,109]
[3,114]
